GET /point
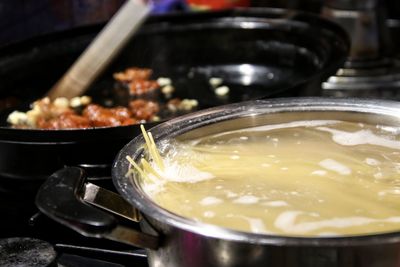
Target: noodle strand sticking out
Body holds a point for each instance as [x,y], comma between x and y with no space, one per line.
[302,178]
[148,172]
[151,146]
[156,155]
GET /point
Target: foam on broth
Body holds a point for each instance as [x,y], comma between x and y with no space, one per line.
[303,178]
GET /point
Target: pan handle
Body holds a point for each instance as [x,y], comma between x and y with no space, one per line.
[63,195]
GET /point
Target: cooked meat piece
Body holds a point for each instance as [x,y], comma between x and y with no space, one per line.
[78,112]
[131,74]
[129,121]
[100,116]
[140,87]
[137,80]
[143,110]
[120,112]
[63,121]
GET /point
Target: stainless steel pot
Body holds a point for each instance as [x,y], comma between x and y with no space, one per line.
[175,241]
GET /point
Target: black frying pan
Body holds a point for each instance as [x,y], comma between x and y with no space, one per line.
[259,53]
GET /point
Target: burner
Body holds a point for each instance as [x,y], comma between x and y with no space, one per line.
[371,70]
[27,252]
[371,79]
[30,252]
[20,220]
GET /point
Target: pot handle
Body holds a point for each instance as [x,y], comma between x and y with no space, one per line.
[60,198]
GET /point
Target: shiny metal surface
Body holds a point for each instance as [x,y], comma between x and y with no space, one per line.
[113,203]
[371,70]
[383,83]
[110,201]
[186,242]
[366,26]
[132,237]
[60,198]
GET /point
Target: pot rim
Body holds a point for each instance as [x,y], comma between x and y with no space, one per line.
[174,127]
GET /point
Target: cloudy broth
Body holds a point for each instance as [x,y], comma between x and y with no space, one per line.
[302,178]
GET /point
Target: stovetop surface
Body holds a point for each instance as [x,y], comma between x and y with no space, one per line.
[21,219]
[24,228]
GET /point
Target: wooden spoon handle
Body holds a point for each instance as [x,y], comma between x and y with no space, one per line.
[101,51]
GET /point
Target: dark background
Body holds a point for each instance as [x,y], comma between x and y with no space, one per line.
[21,19]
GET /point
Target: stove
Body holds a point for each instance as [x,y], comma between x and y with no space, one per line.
[29,238]
[372,68]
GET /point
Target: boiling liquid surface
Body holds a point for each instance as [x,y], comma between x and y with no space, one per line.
[303,178]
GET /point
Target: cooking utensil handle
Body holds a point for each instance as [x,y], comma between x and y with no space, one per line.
[102,50]
[63,198]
